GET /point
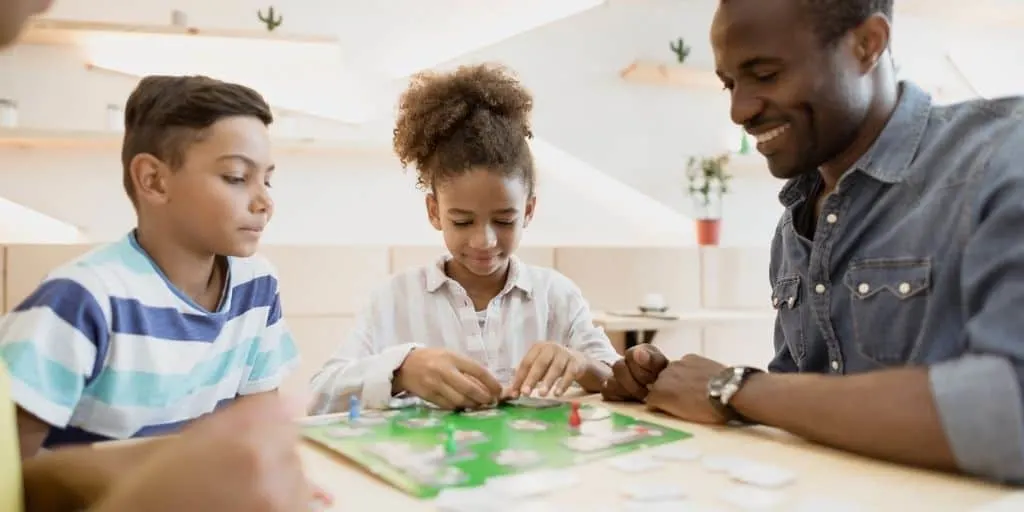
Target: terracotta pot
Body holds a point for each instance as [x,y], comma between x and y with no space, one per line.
[708,231]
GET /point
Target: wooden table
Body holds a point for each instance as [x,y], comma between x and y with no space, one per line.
[821,472]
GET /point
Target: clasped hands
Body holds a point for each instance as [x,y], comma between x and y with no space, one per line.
[678,388]
[454,381]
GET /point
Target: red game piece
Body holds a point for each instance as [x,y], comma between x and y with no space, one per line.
[574,415]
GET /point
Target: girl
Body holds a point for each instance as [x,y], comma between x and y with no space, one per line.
[478,325]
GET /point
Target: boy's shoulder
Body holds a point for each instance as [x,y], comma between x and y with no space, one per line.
[255,267]
[544,280]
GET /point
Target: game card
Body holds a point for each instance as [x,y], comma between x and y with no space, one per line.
[534,402]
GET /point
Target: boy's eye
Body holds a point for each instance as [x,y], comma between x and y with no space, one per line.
[234,180]
[505,222]
[462,222]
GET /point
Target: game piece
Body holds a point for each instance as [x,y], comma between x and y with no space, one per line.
[531,425]
[533,483]
[451,445]
[636,463]
[517,458]
[677,452]
[762,475]
[593,413]
[574,417]
[353,408]
[482,413]
[421,422]
[721,463]
[655,491]
[534,402]
[587,443]
[751,498]
[342,432]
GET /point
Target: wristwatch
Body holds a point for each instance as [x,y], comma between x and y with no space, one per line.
[725,385]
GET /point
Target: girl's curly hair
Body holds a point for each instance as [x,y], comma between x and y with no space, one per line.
[474,117]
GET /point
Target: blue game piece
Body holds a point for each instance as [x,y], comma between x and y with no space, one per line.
[353,408]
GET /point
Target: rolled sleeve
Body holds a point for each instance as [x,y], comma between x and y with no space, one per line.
[979,394]
[979,403]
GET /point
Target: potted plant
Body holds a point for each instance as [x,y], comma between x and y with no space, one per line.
[708,181]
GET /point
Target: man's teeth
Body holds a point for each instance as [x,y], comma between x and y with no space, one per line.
[771,134]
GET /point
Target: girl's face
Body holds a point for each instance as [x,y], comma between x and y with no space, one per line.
[482,215]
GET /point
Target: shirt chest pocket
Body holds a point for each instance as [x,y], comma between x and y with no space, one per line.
[787,300]
[888,303]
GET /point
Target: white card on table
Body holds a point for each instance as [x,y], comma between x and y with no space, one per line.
[751,498]
[635,463]
[654,491]
[762,475]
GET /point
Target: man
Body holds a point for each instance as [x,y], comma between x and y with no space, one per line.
[898,265]
[240,459]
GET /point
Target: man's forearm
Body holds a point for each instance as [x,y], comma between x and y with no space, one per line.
[888,414]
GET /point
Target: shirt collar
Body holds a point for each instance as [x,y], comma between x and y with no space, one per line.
[889,159]
[517,276]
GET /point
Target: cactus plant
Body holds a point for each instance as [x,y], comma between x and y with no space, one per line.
[270,20]
[680,49]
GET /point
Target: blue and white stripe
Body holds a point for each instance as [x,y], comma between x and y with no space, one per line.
[108,348]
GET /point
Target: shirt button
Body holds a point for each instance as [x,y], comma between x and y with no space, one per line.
[904,288]
[831,218]
[835,365]
[863,288]
[819,288]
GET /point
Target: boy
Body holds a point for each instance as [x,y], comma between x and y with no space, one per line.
[478,325]
[143,335]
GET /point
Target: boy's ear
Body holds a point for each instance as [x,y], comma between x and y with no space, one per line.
[531,204]
[433,214]
[149,178]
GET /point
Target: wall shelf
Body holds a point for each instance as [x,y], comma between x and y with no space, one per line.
[669,74]
[34,138]
[66,32]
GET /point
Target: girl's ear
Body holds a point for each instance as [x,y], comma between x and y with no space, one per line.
[531,203]
[433,213]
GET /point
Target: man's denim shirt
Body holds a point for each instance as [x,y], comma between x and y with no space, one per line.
[918,260]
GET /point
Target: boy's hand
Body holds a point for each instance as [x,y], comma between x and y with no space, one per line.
[544,364]
[632,374]
[446,379]
[243,458]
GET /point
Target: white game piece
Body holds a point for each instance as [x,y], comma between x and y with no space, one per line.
[593,413]
[587,443]
[751,498]
[677,452]
[517,458]
[421,422]
[529,425]
[369,420]
[762,475]
[342,432]
[469,436]
[654,491]
[635,463]
[525,485]
[482,413]
[722,463]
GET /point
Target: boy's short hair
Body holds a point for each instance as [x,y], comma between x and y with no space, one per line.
[165,114]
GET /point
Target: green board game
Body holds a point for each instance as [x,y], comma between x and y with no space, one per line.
[422,450]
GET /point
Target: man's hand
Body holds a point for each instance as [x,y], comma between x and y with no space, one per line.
[543,365]
[447,379]
[632,374]
[243,458]
[682,390]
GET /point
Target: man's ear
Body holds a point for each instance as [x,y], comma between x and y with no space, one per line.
[871,40]
[149,179]
[433,213]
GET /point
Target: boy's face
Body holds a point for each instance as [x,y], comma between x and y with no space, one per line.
[482,216]
[219,200]
[14,13]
